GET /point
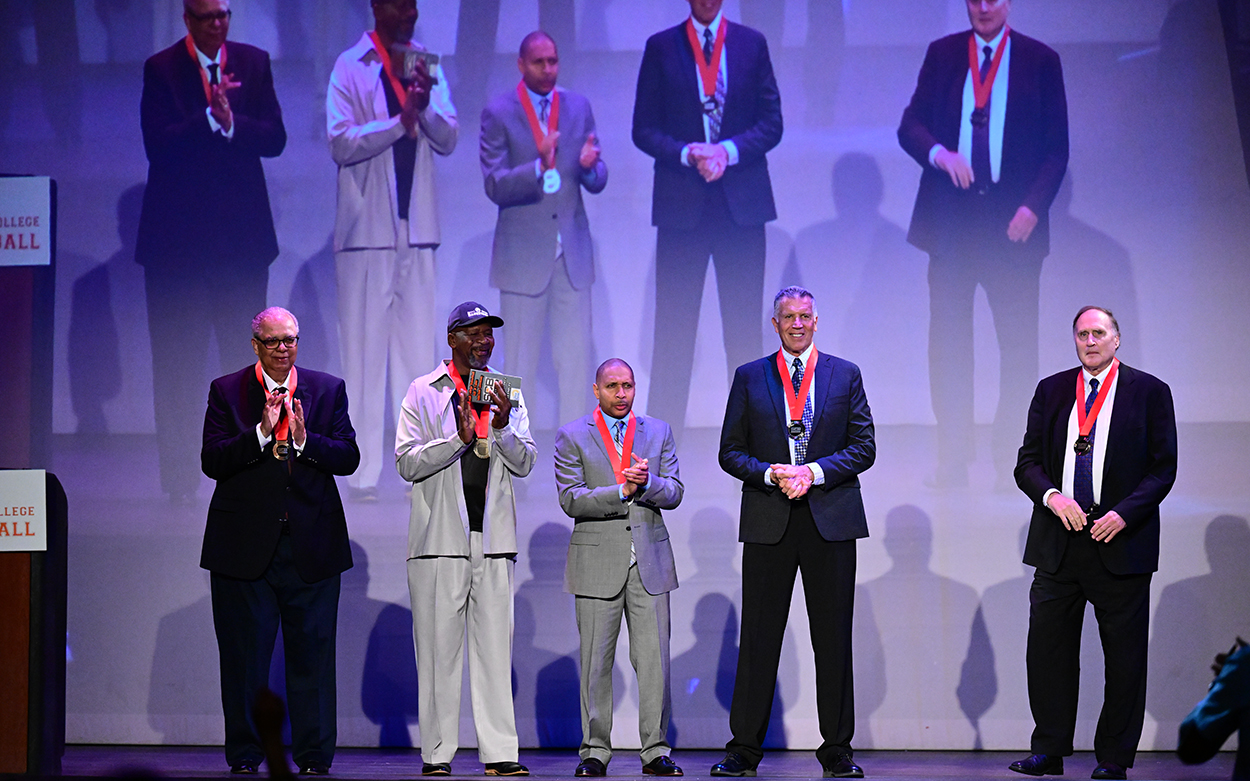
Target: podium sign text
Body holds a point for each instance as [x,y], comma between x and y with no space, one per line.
[25,221]
[23,510]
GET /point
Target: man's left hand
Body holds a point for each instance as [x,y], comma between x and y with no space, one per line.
[1022,225]
[295,413]
[711,159]
[1107,527]
[502,406]
[590,153]
[219,106]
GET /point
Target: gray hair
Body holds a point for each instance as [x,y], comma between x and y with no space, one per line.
[272,313]
[794,291]
[1104,310]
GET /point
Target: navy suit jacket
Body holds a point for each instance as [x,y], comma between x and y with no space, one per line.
[1138,471]
[206,200]
[254,489]
[754,437]
[947,220]
[668,115]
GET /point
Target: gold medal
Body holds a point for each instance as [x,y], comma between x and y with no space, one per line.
[282,450]
[481,448]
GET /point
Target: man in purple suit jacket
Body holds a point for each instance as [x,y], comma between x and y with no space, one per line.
[206,238]
[1096,480]
[708,130]
[993,143]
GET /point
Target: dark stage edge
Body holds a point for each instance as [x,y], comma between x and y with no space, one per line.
[372,763]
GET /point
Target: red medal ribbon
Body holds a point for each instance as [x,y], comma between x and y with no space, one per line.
[401,94]
[707,70]
[481,426]
[981,90]
[280,431]
[795,400]
[621,461]
[1086,422]
[221,67]
[553,119]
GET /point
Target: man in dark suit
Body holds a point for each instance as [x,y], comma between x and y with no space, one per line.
[993,142]
[707,109]
[1096,473]
[797,433]
[276,539]
[206,238]
[538,151]
[620,561]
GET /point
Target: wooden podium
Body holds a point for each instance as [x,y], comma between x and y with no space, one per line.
[32,584]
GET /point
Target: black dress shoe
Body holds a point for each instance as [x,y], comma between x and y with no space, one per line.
[315,769]
[733,764]
[1039,765]
[244,768]
[590,767]
[436,768]
[843,767]
[1109,770]
[661,766]
[506,769]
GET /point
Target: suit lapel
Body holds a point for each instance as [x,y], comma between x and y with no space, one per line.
[1064,403]
[774,381]
[824,383]
[1125,404]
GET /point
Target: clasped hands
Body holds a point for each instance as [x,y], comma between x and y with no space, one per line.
[418,98]
[1102,530]
[794,481]
[958,169]
[272,413]
[501,407]
[636,476]
[710,159]
[219,104]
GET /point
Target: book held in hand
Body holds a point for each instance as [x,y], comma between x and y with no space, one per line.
[482,384]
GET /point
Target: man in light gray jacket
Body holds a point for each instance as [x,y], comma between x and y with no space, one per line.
[384,125]
[461,458]
[616,471]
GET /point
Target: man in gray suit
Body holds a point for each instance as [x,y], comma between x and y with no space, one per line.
[620,561]
[538,150]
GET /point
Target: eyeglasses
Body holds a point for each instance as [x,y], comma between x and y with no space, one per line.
[216,16]
[272,344]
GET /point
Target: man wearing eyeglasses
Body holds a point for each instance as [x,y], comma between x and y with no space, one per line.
[206,238]
[276,538]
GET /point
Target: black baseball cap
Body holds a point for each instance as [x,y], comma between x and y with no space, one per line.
[471,313]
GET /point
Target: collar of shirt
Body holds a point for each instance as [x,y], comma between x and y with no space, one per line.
[537,101]
[804,356]
[270,384]
[612,420]
[714,26]
[205,61]
[992,43]
[1086,377]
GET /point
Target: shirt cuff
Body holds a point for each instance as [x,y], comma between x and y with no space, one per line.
[768,476]
[933,153]
[818,474]
[538,168]
[1046,498]
[261,438]
[685,155]
[731,149]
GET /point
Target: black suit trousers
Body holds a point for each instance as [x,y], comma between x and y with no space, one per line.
[681,261]
[768,571]
[246,616]
[1056,611]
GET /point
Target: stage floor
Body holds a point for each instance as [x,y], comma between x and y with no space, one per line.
[207,762]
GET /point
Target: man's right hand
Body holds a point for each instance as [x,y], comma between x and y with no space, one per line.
[956,166]
[417,100]
[272,413]
[468,420]
[1068,511]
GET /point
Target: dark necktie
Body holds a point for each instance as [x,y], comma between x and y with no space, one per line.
[544,110]
[212,74]
[1083,478]
[716,111]
[800,444]
[981,135]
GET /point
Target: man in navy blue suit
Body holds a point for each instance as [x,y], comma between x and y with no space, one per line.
[1096,472]
[797,433]
[276,538]
[993,142]
[707,109]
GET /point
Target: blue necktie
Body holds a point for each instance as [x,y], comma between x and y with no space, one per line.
[981,136]
[800,444]
[1083,479]
[715,114]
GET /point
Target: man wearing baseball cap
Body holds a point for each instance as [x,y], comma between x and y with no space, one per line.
[461,458]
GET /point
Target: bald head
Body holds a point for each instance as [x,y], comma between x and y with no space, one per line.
[612,363]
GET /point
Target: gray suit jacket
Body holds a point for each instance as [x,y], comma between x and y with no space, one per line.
[604,526]
[524,254]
